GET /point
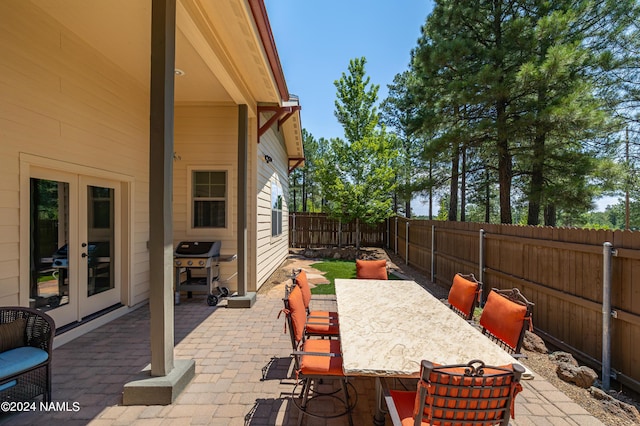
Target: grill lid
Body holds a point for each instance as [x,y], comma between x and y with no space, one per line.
[197,249]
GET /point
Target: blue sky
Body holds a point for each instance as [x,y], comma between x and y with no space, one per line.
[316,40]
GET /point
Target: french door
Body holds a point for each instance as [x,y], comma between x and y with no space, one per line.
[74,244]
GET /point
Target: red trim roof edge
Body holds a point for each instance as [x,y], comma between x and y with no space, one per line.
[261,19]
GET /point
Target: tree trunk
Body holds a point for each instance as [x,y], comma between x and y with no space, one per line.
[550,215]
[304,191]
[536,188]
[357,234]
[505,171]
[537,181]
[487,204]
[463,186]
[453,190]
[430,190]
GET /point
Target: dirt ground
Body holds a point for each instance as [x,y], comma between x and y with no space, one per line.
[540,363]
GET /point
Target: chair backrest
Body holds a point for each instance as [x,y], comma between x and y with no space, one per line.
[302,281]
[464,295]
[470,393]
[505,317]
[296,315]
[371,269]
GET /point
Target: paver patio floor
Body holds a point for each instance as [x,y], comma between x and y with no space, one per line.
[243,374]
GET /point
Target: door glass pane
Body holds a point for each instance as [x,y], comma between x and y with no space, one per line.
[49,230]
[100,233]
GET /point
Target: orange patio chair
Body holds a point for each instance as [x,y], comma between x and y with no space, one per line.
[319,323]
[371,269]
[463,394]
[316,360]
[464,295]
[506,315]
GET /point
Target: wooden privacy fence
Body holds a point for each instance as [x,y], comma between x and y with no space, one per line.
[312,230]
[563,271]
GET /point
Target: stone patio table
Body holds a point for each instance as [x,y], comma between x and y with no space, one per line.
[387,327]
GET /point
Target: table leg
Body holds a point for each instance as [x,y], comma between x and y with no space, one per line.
[379,417]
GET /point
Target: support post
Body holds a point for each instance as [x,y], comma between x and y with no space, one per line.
[163,28]
[244,299]
[607,252]
[164,379]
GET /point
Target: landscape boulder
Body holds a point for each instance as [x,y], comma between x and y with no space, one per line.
[532,342]
[616,407]
[581,376]
[563,357]
[570,371]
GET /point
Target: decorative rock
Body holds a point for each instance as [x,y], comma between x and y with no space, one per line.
[583,376]
[533,342]
[616,407]
[563,357]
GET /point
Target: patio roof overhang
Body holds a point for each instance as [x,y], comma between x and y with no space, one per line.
[225,50]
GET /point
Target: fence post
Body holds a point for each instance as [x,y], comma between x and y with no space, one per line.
[433,253]
[481,266]
[607,253]
[388,234]
[396,238]
[406,260]
[293,237]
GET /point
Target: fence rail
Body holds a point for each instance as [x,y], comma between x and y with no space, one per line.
[314,230]
[561,270]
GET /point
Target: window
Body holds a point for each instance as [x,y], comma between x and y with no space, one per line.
[209,195]
[276,209]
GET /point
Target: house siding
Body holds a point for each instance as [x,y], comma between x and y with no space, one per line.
[206,138]
[65,104]
[271,251]
[61,100]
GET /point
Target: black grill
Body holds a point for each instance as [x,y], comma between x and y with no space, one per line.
[197,249]
[190,255]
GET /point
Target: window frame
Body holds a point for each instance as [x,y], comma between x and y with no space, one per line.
[276,189]
[190,198]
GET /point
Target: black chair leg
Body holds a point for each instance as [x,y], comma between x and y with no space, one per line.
[305,397]
[345,390]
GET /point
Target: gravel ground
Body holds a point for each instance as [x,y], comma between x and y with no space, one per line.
[540,363]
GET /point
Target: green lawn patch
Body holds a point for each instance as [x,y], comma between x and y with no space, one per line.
[336,269]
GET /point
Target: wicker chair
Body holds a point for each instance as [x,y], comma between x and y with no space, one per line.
[27,347]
